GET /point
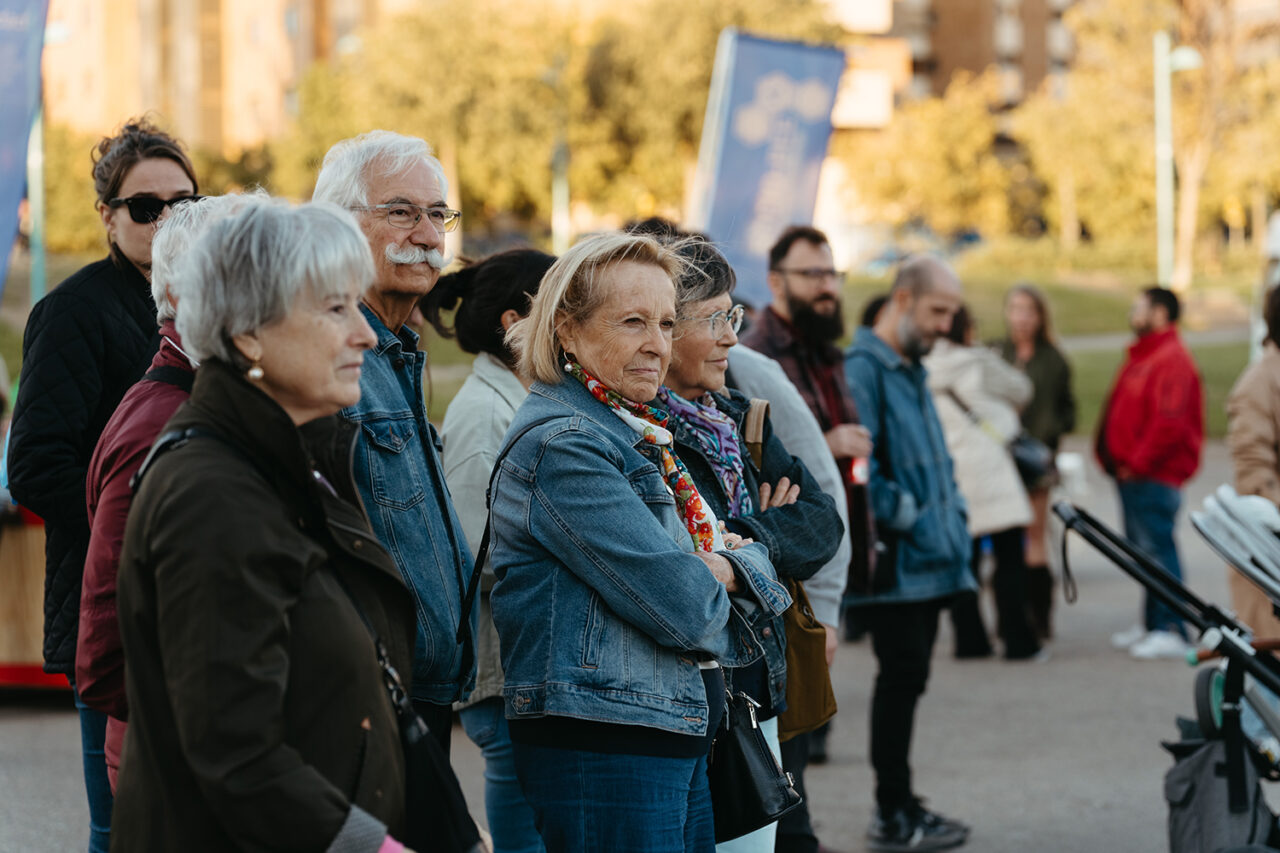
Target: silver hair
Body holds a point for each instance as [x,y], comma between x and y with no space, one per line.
[247,271]
[344,175]
[182,227]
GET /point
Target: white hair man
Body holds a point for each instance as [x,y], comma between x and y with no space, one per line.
[397,189]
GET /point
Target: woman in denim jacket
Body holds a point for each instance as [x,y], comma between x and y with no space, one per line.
[779,504]
[618,595]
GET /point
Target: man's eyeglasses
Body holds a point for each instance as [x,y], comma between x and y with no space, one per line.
[404,215]
[144,209]
[721,321]
[814,274]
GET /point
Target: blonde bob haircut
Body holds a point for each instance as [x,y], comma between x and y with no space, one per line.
[573,289]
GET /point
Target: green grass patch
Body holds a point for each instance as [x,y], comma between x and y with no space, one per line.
[1220,364]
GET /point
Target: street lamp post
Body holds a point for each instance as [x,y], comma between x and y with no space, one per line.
[1167,61]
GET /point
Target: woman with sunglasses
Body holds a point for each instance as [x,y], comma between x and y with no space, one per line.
[85,343]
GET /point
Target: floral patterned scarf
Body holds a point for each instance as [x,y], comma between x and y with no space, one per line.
[717,436]
[651,424]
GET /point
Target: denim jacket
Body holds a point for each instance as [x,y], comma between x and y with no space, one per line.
[401,481]
[800,537]
[913,489]
[602,610]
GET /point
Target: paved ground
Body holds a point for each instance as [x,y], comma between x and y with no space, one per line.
[1061,756]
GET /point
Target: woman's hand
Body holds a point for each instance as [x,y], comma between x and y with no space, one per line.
[781,495]
[720,567]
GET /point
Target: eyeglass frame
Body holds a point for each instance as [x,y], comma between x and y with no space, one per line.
[713,321]
[453,217]
[163,202]
[813,274]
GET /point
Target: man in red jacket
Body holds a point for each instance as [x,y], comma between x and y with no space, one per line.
[1149,441]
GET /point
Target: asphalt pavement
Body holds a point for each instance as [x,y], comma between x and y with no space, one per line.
[1057,756]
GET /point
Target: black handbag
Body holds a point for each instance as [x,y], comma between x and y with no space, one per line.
[749,788]
[436,814]
[1031,456]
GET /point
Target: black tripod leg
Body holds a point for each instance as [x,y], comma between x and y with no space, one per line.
[1233,738]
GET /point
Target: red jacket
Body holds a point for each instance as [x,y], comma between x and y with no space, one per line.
[1153,424]
[124,443]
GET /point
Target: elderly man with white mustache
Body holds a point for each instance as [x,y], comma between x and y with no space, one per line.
[396,189]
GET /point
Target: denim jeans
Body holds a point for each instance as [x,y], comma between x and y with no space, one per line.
[1150,512]
[902,637]
[93,738]
[594,801]
[510,817]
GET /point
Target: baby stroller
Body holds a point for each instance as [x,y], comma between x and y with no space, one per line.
[1213,790]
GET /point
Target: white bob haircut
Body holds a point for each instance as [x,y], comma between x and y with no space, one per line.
[573,289]
[177,231]
[248,271]
[344,175]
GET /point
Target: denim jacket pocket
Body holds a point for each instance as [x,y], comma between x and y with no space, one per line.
[592,633]
[394,483]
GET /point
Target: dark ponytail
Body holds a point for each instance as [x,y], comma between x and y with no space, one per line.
[481,293]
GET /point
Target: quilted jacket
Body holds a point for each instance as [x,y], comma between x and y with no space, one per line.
[86,342]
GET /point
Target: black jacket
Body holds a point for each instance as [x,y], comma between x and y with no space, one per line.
[85,344]
[257,714]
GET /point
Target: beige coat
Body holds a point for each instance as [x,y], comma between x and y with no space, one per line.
[1253,437]
[985,472]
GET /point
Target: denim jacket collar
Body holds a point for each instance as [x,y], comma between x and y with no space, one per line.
[406,340]
[572,393]
[876,346]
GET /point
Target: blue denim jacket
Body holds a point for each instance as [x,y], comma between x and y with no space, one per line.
[602,610]
[401,481]
[913,489]
[800,537]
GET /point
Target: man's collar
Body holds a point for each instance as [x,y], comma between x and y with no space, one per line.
[407,339]
[867,339]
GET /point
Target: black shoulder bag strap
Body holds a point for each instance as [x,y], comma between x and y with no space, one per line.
[172,440]
[171,375]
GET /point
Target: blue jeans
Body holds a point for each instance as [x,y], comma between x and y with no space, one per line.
[594,801]
[510,817]
[93,739]
[1150,512]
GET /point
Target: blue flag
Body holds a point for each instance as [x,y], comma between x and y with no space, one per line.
[765,136]
[21,40]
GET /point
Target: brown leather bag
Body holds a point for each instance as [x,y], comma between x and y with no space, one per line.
[810,699]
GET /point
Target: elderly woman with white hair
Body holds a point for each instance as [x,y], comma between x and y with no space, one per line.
[250,586]
[618,595]
[124,443]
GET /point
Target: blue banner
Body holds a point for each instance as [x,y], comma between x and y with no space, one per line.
[21,40]
[764,139]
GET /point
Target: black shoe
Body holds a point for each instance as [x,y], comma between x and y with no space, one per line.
[915,828]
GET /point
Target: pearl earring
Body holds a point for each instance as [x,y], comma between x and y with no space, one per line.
[255,372]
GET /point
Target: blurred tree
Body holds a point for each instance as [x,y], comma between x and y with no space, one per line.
[625,86]
[1092,137]
[72,223]
[936,161]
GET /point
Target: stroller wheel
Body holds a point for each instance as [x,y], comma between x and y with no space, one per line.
[1208,693]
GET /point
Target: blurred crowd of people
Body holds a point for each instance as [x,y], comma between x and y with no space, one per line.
[264,561]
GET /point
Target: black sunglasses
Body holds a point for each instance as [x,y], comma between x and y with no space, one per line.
[144,209]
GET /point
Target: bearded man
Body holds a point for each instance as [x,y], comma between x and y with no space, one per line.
[922,524]
[396,189]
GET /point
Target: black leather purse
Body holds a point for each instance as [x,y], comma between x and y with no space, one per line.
[749,788]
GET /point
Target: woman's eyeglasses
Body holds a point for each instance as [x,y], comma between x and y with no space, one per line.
[722,321]
[145,209]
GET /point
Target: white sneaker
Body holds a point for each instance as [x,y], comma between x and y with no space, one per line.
[1158,645]
[1126,638]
